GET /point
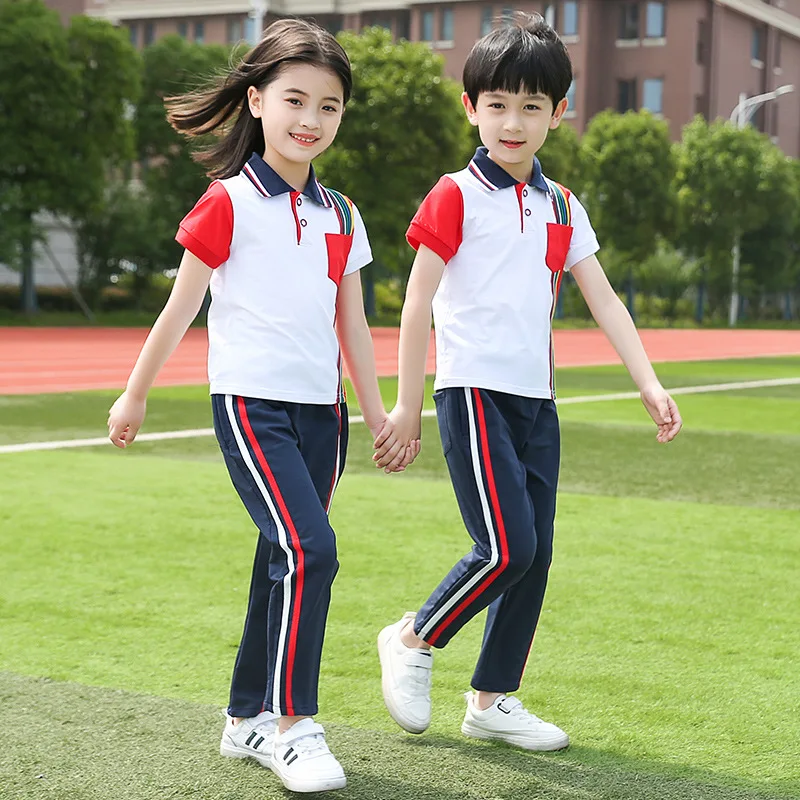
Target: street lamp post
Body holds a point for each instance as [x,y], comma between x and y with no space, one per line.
[258,10]
[740,116]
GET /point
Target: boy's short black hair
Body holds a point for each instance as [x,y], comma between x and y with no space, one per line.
[525,53]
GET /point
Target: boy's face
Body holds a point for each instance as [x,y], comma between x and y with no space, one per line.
[513,126]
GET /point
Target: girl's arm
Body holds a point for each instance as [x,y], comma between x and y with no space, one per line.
[127,414]
[359,355]
[615,321]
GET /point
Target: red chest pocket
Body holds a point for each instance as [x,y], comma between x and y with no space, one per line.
[339,245]
[558,241]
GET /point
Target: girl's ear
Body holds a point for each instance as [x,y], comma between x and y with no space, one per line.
[254,101]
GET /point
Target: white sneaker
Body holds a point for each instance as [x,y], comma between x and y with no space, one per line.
[251,738]
[507,720]
[405,678]
[302,760]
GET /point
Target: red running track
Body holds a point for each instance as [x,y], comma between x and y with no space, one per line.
[38,360]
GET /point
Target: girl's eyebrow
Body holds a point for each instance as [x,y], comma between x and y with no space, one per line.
[306,94]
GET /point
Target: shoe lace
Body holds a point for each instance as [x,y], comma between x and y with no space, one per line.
[519,712]
[313,744]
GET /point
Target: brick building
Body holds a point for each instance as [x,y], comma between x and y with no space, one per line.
[674,57]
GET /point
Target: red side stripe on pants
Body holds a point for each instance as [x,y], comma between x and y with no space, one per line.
[298,551]
[501,528]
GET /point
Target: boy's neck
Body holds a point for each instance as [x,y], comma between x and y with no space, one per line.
[522,172]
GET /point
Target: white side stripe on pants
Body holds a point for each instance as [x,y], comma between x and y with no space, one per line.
[487,516]
[287,581]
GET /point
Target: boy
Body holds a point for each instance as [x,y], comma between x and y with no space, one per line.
[493,242]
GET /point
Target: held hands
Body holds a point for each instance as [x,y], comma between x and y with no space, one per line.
[124,420]
[397,441]
[664,411]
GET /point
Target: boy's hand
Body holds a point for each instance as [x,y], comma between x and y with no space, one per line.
[664,411]
[406,430]
[124,420]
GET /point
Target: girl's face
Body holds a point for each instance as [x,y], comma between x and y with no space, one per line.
[300,112]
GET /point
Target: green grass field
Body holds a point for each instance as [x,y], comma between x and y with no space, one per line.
[668,646]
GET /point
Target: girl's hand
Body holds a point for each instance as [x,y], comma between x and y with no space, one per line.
[407,434]
[124,420]
[664,411]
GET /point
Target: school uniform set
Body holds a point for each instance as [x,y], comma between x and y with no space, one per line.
[274,366]
[506,246]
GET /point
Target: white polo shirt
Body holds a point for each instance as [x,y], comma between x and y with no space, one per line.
[506,255]
[278,257]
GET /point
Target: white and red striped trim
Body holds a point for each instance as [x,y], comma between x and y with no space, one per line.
[498,542]
[290,611]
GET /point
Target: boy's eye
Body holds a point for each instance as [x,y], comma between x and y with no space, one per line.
[531,107]
[495,105]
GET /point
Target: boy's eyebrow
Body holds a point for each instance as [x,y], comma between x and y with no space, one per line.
[306,94]
[538,96]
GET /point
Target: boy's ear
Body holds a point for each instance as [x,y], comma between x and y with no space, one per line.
[470,109]
[558,113]
[254,101]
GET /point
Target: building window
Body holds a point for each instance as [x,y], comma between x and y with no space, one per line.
[569,18]
[427,26]
[652,95]
[757,42]
[183,29]
[447,25]
[629,21]
[235,30]
[382,22]
[550,14]
[774,126]
[777,49]
[571,96]
[402,25]
[200,32]
[133,29]
[655,26]
[149,33]
[487,20]
[626,94]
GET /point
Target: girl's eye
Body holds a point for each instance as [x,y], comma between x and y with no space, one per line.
[294,101]
[332,109]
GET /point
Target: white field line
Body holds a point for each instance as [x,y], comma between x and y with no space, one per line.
[593,398]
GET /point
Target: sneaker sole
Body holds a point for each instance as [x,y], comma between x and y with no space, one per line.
[305,785]
[231,751]
[545,746]
[394,712]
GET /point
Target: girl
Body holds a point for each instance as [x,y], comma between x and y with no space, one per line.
[282,254]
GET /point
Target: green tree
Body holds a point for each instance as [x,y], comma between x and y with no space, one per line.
[560,157]
[769,253]
[40,132]
[628,170]
[65,94]
[722,186]
[403,128]
[173,181]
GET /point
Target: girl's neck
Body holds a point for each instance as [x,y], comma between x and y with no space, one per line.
[295,173]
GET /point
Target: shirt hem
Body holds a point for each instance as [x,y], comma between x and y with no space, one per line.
[260,393]
[493,386]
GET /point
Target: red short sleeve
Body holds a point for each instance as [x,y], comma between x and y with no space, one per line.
[439,220]
[207,230]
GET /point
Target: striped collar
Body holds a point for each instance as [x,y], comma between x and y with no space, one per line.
[493,176]
[269,183]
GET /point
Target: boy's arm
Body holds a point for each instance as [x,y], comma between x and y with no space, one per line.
[615,321]
[127,414]
[415,335]
[359,355]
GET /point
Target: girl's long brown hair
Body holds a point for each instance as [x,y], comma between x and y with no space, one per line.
[208,109]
